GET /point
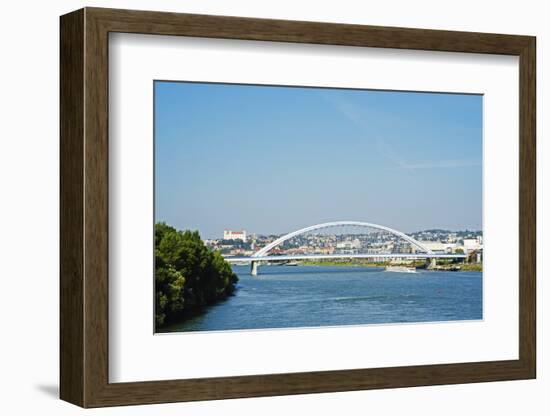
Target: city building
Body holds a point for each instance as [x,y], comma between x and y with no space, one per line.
[349,245]
[439,247]
[472,244]
[234,235]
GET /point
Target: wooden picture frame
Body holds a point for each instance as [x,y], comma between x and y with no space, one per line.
[84,207]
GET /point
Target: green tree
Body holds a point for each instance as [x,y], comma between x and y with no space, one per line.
[187,273]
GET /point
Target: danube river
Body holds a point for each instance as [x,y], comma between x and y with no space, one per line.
[313,296]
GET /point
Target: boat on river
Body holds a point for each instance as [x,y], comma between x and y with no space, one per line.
[401,269]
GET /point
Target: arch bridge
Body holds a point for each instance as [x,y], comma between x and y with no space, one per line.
[419,251]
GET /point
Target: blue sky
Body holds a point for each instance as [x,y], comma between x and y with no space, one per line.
[274,159]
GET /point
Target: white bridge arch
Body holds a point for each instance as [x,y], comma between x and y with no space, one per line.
[263,252]
[262,255]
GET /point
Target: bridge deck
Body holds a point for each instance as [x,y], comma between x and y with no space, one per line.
[345,256]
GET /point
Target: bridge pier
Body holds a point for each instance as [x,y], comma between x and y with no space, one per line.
[431,263]
[254,268]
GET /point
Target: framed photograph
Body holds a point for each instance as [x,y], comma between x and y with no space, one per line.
[255,207]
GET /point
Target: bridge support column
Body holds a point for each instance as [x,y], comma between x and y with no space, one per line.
[431,263]
[254,268]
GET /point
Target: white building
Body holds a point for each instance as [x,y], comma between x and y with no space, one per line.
[349,245]
[439,247]
[473,244]
[234,235]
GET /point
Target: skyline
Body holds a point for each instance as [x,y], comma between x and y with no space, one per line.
[272,159]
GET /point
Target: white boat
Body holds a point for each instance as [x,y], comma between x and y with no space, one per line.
[401,269]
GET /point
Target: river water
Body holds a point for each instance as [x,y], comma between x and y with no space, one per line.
[313,296]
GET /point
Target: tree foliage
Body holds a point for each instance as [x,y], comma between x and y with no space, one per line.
[187,274]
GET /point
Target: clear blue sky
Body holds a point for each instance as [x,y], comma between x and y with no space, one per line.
[274,159]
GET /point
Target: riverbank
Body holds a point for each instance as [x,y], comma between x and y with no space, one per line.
[444,266]
[471,267]
[346,263]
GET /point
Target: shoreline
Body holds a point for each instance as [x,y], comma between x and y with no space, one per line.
[464,267]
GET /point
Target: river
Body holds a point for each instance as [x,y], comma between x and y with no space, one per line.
[313,296]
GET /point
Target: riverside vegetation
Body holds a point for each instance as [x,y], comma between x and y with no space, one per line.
[465,267]
[187,274]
